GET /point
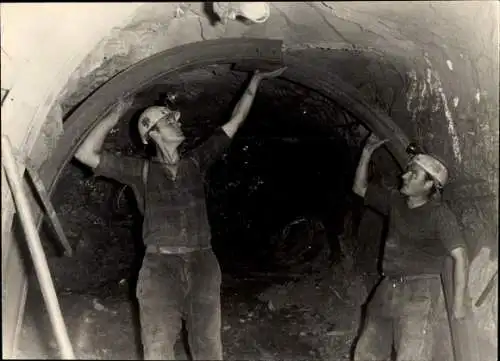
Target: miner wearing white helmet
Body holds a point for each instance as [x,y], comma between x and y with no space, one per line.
[180,277]
[422,231]
[152,115]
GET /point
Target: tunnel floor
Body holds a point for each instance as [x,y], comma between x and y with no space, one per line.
[263,317]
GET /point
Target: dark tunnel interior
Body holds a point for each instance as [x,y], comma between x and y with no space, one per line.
[292,240]
[277,199]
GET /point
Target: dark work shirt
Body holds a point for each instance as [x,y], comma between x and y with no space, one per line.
[175,212]
[418,239]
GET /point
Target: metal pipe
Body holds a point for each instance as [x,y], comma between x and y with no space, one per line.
[36,250]
[49,209]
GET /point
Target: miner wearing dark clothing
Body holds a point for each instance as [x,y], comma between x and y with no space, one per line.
[422,231]
[180,276]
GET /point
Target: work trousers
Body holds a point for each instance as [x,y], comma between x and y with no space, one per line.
[400,315]
[174,287]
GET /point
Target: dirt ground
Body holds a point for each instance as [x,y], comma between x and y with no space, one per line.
[316,317]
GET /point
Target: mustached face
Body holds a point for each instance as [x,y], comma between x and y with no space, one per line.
[167,130]
[415,181]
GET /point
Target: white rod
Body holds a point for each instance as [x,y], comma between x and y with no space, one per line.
[36,250]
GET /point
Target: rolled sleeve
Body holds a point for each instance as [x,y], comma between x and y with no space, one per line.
[448,229]
[126,170]
[379,197]
[210,150]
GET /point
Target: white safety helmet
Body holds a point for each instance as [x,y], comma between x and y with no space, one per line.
[434,167]
[151,116]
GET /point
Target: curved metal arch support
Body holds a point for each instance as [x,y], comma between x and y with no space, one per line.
[219,51]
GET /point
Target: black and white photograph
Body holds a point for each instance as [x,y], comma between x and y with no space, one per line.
[250,180]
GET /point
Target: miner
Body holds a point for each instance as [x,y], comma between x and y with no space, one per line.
[421,233]
[180,277]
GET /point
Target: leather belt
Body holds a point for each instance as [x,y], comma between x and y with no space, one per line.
[403,278]
[174,250]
